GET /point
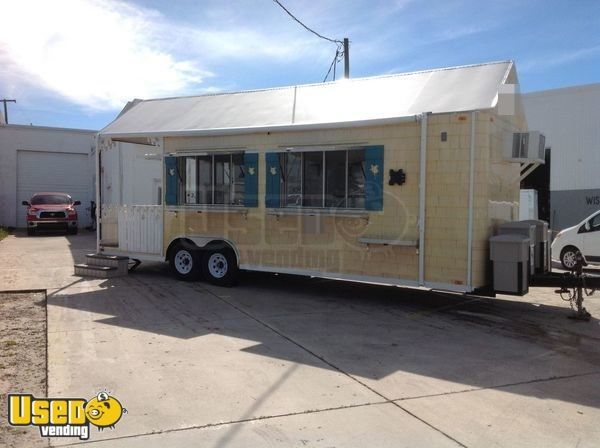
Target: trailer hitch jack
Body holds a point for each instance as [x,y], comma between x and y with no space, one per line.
[580,312]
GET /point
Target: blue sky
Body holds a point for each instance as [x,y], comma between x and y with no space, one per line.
[75,63]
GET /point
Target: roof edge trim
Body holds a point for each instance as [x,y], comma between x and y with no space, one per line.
[279,128]
[255,129]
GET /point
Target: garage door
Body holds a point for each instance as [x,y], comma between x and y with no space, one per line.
[53,171]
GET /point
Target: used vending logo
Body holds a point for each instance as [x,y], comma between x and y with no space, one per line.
[64,417]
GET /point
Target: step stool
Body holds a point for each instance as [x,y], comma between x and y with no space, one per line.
[103,266]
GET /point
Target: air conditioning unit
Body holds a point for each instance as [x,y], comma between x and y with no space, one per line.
[525,147]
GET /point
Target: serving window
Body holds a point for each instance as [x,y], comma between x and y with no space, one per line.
[317,179]
[217,179]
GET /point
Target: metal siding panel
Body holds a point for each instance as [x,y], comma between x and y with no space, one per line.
[139,228]
[570,120]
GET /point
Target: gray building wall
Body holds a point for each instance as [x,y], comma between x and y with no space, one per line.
[570,207]
[570,120]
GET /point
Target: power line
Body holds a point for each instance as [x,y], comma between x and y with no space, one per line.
[335,65]
[341,50]
[337,58]
[335,41]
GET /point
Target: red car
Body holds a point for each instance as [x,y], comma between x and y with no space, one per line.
[51,211]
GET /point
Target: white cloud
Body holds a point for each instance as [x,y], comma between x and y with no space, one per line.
[102,53]
[93,53]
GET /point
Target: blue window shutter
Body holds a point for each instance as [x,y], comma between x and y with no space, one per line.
[273,180]
[374,177]
[251,180]
[171,180]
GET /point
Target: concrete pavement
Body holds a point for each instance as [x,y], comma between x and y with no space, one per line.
[287,361]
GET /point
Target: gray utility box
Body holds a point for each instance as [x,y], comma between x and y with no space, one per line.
[525,229]
[542,245]
[510,256]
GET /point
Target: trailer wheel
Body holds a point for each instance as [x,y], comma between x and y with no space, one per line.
[185,262]
[219,266]
[568,257]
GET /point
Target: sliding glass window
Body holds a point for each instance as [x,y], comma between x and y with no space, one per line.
[293,180]
[191,180]
[213,179]
[355,190]
[312,168]
[317,179]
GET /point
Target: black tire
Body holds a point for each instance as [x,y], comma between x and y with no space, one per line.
[219,266]
[72,231]
[568,256]
[185,261]
[30,231]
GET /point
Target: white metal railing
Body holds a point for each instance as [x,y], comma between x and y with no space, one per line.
[140,228]
[110,232]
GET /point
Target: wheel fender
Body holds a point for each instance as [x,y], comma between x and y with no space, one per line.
[203,241]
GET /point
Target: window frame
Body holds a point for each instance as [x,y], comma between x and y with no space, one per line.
[197,156]
[301,151]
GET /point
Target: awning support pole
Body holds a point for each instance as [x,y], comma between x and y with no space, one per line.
[471,201]
[98,198]
[422,196]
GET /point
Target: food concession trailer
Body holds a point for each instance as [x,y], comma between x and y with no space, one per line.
[397,180]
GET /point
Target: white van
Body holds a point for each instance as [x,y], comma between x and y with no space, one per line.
[583,237]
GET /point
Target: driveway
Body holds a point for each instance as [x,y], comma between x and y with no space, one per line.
[285,361]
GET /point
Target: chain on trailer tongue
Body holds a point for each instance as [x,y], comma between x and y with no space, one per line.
[574,294]
[573,287]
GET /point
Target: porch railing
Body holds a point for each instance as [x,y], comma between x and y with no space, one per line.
[140,228]
[132,228]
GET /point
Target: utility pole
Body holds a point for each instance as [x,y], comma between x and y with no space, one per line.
[346,59]
[5,109]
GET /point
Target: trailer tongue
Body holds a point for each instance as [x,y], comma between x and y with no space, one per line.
[521,257]
[572,287]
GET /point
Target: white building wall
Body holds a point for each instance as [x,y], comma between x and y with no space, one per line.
[16,138]
[570,119]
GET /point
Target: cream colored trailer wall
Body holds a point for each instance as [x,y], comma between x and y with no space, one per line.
[300,241]
[447,199]
[497,183]
[329,244]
